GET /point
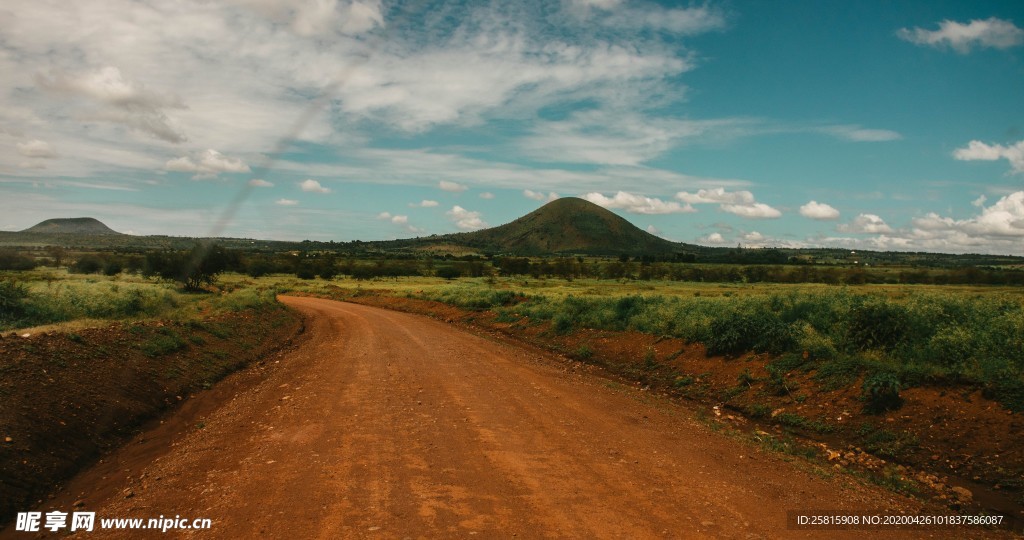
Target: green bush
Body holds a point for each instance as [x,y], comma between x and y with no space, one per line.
[740,332]
[12,300]
[881,392]
[12,260]
[449,272]
[878,324]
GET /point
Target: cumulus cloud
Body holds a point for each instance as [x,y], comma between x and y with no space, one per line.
[654,230]
[207,164]
[867,224]
[980,201]
[425,203]
[312,186]
[716,196]
[259,182]
[36,148]
[992,32]
[753,237]
[977,150]
[740,203]
[396,219]
[998,228]
[539,196]
[816,210]
[466,220]
[487,195]
[286,202]
[453,187]
[400,220]
[753,211]
[713,238]
[637,204]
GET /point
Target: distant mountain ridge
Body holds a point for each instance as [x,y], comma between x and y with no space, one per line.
[568,226]
[81,225]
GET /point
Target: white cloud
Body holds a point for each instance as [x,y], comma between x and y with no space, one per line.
[207,164]
[858,134]
[741,203]
[36,149]
[654,230]
[487,195]
[611,137]
[425,203]
[991,32]
[599,4]
[816,210]
[980,201]
[866,223]
[120,100]
[753,211]
[539,196]
[977,150]
[716,196]
[259,182]
[453,187]
[681,21]
[753,237]
[998,228]
[713,238]
[637,204]
[312,186]
[467,220]
[286,202]
[401,220]
[324,17]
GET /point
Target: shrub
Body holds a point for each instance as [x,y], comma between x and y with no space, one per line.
[87,264]
[741,332]
[448,272]
[878,324]
[12,260]
[881,392]
[12,300]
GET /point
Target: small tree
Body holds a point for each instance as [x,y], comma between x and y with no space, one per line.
[194,269]
[448,272]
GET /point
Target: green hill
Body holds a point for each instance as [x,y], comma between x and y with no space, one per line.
[82,225]
[568,226]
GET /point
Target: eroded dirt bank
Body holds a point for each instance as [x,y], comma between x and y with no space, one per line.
[68,397]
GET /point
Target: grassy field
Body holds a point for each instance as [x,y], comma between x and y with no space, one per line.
[889,337]
[47,296]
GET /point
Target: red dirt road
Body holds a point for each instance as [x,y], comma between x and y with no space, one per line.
[383,424]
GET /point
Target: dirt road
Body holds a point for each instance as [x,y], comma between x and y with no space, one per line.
[389,425]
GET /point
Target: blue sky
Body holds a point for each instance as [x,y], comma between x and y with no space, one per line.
[869,125]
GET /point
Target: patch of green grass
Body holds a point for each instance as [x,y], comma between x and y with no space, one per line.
[758,410]
[885,443]
[793,420]
[891,478]
[165,342]
[838,373]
